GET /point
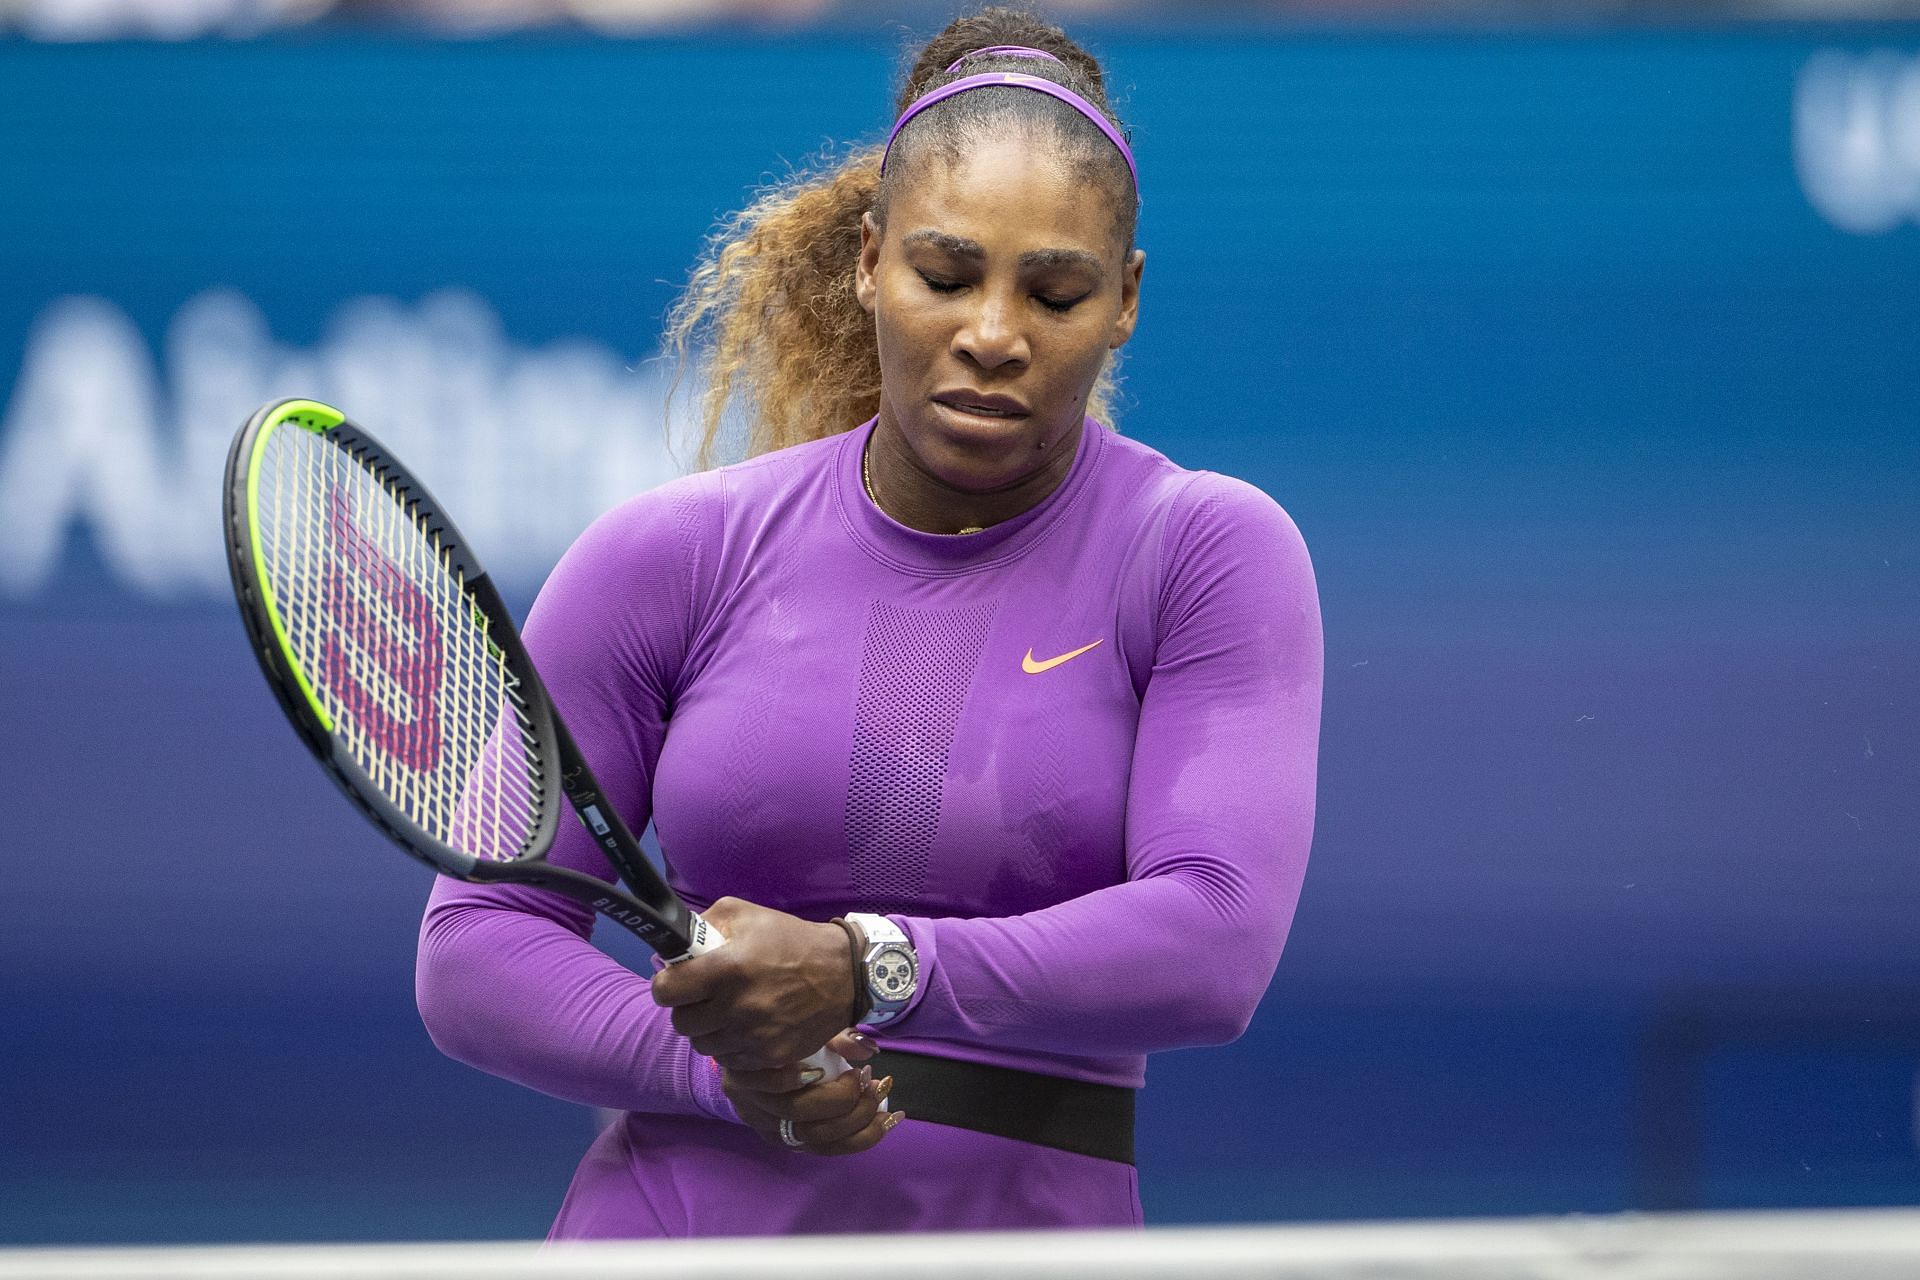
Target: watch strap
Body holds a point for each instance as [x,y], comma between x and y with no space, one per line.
[857,949]
[879,929]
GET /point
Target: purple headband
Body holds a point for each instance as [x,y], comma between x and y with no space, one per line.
[1016,80]
[1005,51]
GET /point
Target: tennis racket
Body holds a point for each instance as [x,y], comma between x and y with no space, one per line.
[399,665]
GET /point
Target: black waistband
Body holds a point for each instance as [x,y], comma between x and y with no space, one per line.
[1068,1115]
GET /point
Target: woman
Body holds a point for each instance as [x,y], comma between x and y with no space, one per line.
[998,728]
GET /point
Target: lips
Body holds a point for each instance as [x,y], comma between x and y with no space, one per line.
[981,405]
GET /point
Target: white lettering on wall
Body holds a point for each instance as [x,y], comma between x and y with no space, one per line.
[523,446]
[1856,138]
[153,19]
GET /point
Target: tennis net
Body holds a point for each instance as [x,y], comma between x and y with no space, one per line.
[1836,1245]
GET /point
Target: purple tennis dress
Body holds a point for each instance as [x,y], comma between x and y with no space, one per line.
[1072,756]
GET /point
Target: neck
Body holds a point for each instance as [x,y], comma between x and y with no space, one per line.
[901,487]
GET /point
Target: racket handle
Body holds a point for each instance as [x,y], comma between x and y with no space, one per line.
[707,938]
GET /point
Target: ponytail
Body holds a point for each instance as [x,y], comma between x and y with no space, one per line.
[785,343]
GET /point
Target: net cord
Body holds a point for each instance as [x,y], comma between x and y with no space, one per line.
[1857,1244]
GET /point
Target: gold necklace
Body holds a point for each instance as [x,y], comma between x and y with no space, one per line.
[866,482]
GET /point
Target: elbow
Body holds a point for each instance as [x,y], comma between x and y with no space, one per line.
[1231,971]
[442,982]
[435,1015]
[1220,1021]
[1218,1011]
[1206,1014]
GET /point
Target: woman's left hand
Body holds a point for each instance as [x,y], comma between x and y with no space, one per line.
[778,990]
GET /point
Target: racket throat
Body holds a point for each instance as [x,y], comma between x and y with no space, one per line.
[668,928]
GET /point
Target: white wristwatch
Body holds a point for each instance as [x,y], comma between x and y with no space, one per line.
[891,966]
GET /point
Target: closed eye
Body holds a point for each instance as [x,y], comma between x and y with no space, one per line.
[1059,306]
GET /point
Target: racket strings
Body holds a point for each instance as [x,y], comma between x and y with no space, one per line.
[396,649]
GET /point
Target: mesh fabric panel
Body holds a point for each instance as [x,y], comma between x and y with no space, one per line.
[915,667]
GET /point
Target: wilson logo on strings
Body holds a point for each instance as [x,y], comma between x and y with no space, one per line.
[385,634]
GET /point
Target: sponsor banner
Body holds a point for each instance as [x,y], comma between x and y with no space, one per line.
[103,433]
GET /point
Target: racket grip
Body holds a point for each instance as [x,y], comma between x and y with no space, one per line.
[706,938]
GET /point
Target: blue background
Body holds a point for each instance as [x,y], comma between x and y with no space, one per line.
[1605,443]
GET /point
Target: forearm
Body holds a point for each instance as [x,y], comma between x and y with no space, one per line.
[507,988]
[507,979]
[1163,963]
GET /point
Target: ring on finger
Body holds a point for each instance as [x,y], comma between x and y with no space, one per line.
[788,1136]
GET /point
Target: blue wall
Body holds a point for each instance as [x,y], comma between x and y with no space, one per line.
[1600,422]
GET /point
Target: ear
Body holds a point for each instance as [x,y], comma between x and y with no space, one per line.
[1129,316]
[868,263]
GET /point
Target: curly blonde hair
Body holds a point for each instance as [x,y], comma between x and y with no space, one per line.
[769,321]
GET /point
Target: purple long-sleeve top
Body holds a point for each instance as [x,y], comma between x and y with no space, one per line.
[1073,756]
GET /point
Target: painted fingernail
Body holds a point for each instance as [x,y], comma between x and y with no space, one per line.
[892,1121]
[885,1088]
[812,1075]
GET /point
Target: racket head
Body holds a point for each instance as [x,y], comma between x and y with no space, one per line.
[386,644]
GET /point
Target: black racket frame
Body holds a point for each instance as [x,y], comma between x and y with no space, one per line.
[653,910]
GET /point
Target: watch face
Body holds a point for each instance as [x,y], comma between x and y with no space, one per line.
[891,974]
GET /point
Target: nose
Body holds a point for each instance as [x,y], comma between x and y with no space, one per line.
[992,335]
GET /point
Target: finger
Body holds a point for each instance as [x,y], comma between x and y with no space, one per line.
[868,1138]
[829,1100]
[723,911]
[855,1046]
[738,1042]
[701,1019]
[687,982]
[750,1114]
[731,1051]
[739,1053]
[762,1122]
[788,1079]
[827,1132]
[769,1133]
[783,1044]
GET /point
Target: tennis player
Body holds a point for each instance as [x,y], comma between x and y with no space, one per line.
[971,723]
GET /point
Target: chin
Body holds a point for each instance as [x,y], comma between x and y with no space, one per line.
[974,479]
[973,465]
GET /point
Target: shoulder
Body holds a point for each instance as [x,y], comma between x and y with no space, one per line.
[1217,514]
[639,564]
[659,526]
[670,545]
[1217,550]
[744,488]
[686,516]
[1200,513]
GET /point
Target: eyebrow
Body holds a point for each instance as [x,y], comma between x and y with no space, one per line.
[961,247]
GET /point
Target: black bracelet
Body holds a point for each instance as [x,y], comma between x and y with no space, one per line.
[857,944]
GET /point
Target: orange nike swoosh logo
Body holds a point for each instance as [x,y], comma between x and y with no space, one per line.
[1032,668]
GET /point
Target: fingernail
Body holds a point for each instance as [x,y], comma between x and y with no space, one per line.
[863,1040]
[886,1087]
[811,1075]
[866,1077]
[892,1121]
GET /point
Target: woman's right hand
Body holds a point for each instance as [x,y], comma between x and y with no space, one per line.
[836,1117]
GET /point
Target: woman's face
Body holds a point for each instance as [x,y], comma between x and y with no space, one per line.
[997,289]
